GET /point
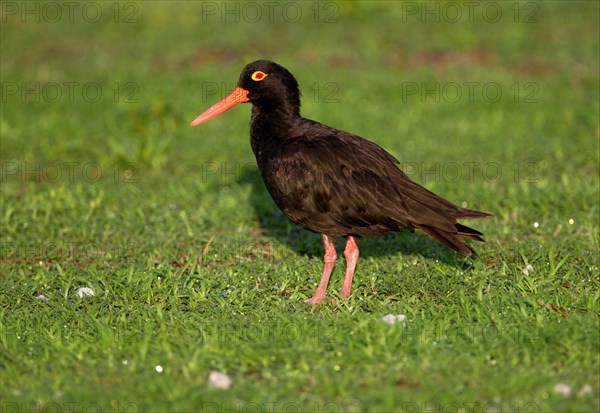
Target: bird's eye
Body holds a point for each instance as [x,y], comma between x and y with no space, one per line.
[258,76]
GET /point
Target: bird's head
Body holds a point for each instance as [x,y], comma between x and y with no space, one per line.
[263,83]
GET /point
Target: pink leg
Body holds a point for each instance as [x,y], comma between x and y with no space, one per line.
[329,259]
[351,254]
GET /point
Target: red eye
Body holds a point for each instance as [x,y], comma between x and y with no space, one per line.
[258,76]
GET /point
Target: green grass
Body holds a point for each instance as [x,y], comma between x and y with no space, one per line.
[194,269]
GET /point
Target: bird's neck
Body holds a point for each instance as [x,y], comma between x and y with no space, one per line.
[274,121]
[285,108]
[270,126]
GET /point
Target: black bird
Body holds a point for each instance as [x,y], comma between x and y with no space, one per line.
[333,182]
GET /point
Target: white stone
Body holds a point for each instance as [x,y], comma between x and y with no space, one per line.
[562,388]
[393,319]
[527,268]
[218,380]
[84,292]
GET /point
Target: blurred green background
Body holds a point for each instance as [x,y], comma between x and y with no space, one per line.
[103,184]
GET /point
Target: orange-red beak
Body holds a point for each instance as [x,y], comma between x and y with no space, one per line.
[238,96]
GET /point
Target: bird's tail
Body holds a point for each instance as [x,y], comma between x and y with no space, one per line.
[452,239]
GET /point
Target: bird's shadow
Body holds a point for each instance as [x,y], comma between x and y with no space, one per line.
[275,225]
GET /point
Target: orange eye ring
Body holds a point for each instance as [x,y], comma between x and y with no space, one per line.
[258,76]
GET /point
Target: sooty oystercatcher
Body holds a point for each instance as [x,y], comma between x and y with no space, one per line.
[333,182]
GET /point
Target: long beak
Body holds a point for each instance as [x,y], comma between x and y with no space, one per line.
[238,96]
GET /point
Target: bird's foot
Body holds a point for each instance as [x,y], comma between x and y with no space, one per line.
[315,299]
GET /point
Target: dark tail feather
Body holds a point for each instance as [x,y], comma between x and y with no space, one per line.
[466,232]
[464,213]
[452,240]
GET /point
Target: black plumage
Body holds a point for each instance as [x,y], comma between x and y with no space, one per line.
[332,182]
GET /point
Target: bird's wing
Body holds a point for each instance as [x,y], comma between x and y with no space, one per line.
[354,183]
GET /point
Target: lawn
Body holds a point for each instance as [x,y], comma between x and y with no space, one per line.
[493,105]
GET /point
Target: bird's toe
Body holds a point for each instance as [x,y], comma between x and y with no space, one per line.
[315,299]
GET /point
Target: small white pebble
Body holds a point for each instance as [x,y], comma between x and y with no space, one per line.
[84,292]
[571,221]
[393,319]
[527,268]
[585,390]
[218,380]
[562,388]
[536,224]
[42,298]
[158,369]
